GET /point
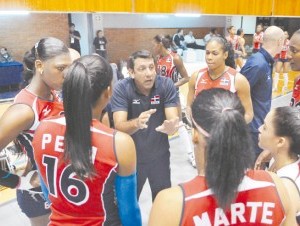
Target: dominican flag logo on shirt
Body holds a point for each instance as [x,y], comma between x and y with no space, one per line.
[224,82]
[155,99]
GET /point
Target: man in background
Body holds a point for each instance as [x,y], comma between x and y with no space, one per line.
[178,39]
[191,41]
[258,71]
[213,32]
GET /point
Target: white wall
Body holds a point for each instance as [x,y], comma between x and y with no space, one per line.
[88,24]
[81,24]
[236,21]
[248,23]
[97,22]
[159,21]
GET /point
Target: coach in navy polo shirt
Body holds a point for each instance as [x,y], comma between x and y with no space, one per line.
[145,106]
[258,71]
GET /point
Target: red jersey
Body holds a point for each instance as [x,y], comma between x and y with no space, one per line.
[167,68]
[225,81]
[257,39]
[42,109]
[234,41]
[283,54]
[295,101]
[75,201]
[257,203]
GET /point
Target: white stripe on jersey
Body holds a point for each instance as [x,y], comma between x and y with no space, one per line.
[246,185]
[93,129]
[36,115]
[232,80]
[62,121]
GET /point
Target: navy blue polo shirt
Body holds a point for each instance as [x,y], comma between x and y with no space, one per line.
[258,71]
[149,143]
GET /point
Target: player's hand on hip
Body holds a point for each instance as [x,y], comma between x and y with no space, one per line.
[144,118]
[169,126]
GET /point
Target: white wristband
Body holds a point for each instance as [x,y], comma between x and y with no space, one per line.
[25,181]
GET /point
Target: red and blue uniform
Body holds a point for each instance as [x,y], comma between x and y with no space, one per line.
[257,39]
[225,81]
[257,203]
[167,68]
[75,201]
[295,101]
[234,41]
[32,202]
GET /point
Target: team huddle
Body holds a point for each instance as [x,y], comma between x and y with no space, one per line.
[81,170]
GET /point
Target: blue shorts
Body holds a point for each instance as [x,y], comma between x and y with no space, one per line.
[32,204]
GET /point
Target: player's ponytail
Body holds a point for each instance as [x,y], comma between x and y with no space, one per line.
[29,68]
[229,150]
[84,83]
[78,112]
[166,40]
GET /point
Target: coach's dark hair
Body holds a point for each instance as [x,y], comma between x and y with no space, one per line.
[84,83]
[287,124]
[226,47]
[229,151]
[166,40]
[45,49]
[144,54]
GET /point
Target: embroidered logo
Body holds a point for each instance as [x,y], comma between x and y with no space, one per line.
[46,110]
[203,81]
[136,101]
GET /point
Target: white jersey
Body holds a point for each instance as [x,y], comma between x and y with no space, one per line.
[291,171]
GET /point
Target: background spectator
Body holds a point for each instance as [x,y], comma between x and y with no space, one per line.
[213,32]
[178,39]
[100,44]
[5,56]
[74,38]
[191,41]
